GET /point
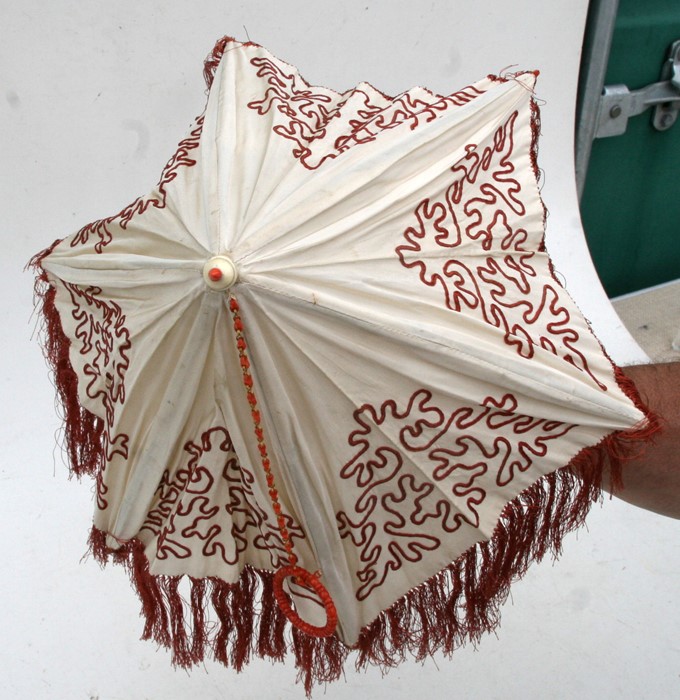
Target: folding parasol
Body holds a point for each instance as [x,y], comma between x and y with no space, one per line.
[329,389]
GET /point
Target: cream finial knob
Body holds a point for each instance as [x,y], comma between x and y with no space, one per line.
[220,273]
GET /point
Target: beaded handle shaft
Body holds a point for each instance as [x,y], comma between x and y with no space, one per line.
[301,576]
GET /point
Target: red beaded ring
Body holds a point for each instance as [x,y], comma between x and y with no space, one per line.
[311,581]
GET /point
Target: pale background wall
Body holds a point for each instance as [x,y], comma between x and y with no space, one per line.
[94,98]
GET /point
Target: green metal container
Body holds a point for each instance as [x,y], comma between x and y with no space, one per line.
[631,201]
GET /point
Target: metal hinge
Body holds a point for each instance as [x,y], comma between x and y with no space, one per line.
[618,103]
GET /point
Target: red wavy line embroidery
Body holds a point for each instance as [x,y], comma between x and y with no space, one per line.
[471,245]
[406,460]
[307,115]
[101,229]
[208,508]
[104,341]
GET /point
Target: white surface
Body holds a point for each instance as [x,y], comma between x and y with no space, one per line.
[653,317]
[95,98]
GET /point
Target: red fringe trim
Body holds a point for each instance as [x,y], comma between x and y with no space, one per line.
[213,59]
[83,431]
[459,604]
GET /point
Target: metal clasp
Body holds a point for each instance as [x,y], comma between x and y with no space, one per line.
[618,103]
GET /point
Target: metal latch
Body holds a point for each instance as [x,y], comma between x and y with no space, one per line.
[618,103]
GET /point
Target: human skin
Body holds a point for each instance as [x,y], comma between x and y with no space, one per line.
[652,480]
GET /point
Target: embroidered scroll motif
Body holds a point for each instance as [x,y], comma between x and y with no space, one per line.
[309,112]
[423,473]
[181,159]
[490,272]
[104,342]
[208,508]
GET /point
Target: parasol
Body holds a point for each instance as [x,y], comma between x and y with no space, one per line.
[329,389]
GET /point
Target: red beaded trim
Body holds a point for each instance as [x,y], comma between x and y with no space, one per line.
[309,580]
[302,576]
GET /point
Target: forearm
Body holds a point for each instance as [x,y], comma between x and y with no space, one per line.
[652,481]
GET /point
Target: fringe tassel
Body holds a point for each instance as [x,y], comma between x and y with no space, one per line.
[83,431]
[459,604]
[219,619]
[463,601]
[213,59]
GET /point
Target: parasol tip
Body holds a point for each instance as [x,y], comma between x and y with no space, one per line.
[220,273]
